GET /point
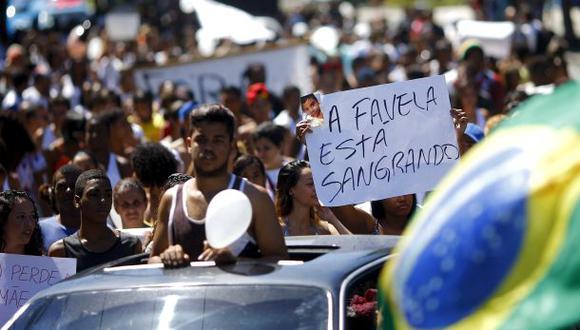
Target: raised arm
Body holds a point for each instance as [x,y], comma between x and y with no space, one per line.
[460,123]
[327,214]
[355,219]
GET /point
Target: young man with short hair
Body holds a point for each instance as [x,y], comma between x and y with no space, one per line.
[180,232]
[94,243]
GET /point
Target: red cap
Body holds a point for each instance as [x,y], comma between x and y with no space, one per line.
[256,90]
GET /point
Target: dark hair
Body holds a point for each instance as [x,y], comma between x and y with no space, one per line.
[141,96]
[29,110]
[255,73]
[73,122]
[213,113]
[59,100]
[287,179]
[304,98]
[175,179]
[46,192]
[378,210]
[90,155]
[289,90]
[270,131]
[244,161]
[7,200]
[17,141]
[66,170]
[105,95]
[153,164]
[232,90]
[128,184]
[85,177]
[103,119]
[110,117]
[19,78]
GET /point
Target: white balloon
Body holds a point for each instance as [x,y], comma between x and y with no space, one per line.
[228,217]
[326,38]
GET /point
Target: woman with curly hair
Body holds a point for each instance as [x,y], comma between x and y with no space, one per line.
[297,206]
[19,229]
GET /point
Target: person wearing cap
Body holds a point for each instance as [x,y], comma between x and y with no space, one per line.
[258,98]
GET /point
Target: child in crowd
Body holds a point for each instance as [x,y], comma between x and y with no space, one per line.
[269,143]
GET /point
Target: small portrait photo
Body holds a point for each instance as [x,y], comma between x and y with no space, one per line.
[311,106]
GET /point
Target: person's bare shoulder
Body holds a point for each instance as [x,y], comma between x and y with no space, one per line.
[167,197]
[255,191]
[57,249]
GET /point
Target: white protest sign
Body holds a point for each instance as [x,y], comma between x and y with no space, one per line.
[284,66]
[382,141]
[495,37]
[21,277]
[122,26]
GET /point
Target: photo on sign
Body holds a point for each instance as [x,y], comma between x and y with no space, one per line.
[311,107]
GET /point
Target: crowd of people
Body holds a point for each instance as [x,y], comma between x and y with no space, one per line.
[84,153]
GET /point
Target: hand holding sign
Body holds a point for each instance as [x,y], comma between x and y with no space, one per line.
[302,128]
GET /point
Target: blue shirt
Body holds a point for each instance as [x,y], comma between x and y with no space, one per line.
[52,231]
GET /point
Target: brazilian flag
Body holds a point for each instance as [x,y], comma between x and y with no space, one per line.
[498,245]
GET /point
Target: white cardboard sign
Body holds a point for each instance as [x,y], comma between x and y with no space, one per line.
[495,37]
[21,277]
[122,26]
[284,66]
[382,141]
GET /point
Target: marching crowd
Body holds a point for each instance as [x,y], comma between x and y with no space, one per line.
[84,153]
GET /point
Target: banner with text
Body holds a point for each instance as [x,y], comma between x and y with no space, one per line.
[382,141]
[284,66]
[21,277]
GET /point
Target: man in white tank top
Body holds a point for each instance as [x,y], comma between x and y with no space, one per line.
[211,142]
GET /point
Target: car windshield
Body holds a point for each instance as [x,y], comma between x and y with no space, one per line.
[199,307]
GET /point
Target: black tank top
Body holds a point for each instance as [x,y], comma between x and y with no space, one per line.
[123,247]
[190,233]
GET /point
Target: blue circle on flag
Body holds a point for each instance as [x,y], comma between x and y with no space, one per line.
[474,249]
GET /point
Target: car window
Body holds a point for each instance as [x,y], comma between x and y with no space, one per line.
[201,307]
[361,300]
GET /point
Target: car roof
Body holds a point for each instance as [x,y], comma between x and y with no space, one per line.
[337,257]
